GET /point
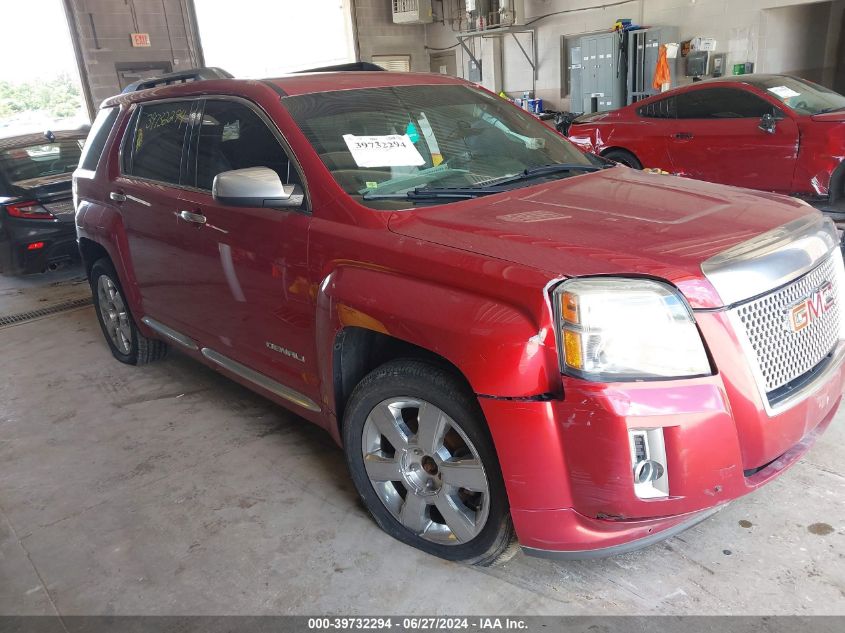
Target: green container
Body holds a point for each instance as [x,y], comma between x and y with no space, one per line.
[745,68]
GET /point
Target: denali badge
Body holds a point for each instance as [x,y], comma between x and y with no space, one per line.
[285,351]
[801,314]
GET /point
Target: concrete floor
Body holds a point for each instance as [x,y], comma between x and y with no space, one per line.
[168,489]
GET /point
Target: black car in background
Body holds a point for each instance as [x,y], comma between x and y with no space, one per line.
[37,230]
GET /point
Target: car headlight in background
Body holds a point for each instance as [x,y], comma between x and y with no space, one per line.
[616,329]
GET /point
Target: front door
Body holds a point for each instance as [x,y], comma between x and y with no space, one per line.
[717,137]
[248,284]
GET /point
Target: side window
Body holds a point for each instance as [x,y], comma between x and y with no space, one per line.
[154,149]
[722,103]
[661,109]
[96,141]
[233,136]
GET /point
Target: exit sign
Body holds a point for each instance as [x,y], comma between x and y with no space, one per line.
[140,40]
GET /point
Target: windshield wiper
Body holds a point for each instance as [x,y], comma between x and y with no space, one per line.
[431,193]
[434,193]
[548,170]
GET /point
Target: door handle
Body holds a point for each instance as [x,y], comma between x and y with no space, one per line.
[117,196]
[682,136]
[195,218]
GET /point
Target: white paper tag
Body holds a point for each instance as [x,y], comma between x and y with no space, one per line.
[393,150]
[784,93]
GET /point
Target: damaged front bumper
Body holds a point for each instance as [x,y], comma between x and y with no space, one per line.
[567,463]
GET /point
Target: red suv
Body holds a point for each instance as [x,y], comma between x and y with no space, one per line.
[508,337]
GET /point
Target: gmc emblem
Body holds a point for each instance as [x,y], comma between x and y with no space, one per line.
[801,314]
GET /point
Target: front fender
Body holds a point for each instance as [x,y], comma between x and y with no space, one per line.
[502,350]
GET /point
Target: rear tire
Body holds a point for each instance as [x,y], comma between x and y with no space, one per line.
[125,341]
[624,157]
[421,457]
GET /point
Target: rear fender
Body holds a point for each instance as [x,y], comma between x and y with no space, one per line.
[104,226]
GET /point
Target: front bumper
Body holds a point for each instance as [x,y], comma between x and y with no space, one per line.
[567,463]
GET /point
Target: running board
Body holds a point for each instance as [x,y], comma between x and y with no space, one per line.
[260,380]
[170,333]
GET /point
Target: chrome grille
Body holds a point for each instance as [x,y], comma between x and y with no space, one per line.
[60,207]
[782,355]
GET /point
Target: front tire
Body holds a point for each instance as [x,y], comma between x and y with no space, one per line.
[125,341]
[423,461]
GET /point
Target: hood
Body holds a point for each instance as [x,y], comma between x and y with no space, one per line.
[830,117]
[617,221]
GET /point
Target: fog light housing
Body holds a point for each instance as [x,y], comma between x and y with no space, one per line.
[648,463]
[647,470]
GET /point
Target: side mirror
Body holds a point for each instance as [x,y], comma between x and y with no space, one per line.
[255,187]
[768,123]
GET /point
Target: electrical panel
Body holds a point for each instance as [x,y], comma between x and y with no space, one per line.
[596,76]
[412,12]
[575,70]
[493,14]
[643,48]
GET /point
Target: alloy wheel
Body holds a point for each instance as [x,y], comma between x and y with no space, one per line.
[425,470]
[114,313]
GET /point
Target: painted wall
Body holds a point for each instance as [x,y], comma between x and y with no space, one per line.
[378,35]
[101,31]
[811,50]
[739,26]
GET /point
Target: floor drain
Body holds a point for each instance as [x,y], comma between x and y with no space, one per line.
[14,319]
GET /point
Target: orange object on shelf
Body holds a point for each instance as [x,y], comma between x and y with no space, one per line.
[661,72]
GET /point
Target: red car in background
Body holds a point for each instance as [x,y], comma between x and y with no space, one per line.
[770,132]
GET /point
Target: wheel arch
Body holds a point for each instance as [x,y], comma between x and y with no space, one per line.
[359,350]
[617,148]
[836,187]
[366,317]
[91,251]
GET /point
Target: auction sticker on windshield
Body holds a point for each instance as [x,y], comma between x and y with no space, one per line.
[392,150]
[784,92]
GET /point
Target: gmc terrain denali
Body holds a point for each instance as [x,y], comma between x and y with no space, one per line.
[508,337]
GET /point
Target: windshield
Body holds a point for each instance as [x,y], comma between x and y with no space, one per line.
[403,139]
[804,97]
[20,164]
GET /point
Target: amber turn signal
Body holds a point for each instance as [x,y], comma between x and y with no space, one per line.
[569,307]
[572,349]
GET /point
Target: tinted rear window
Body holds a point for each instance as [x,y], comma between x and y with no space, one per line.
[97,138]
[43,160]
[721,103]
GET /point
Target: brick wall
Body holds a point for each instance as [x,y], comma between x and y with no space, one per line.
[102,30]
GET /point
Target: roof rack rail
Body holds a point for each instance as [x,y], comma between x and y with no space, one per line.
[182,76]
[353,66]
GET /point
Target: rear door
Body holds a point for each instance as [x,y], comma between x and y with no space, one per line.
[147,193]
[717,137]
[244,275]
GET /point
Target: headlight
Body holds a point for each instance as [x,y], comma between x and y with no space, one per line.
[627,329]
